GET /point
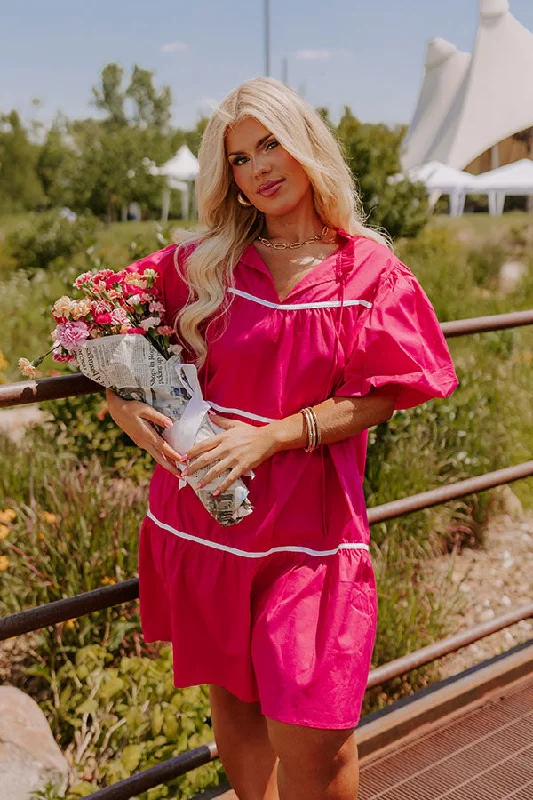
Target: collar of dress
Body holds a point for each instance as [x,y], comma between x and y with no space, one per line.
[332,268]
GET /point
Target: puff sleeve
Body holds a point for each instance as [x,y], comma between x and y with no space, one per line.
[172,288]
[401,343]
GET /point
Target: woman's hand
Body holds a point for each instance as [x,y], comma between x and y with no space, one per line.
[138,421]
[238,448]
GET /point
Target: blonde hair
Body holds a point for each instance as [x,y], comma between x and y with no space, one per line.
[230,226]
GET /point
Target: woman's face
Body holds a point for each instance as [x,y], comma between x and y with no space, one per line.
[265,173]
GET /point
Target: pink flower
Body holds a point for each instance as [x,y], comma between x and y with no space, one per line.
[135,330]
[149,322]
[130,289]
[165,330]
[155,307]
[119,316]
[72,334]
[103,319]
[63,357]
[85,277]
[100,307]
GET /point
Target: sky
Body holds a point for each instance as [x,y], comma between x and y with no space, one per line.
[367,54]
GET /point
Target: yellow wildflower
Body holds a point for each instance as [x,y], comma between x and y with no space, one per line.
[51,519]
[70,623]
[108,581]
[41,536]
[4,531]
[4,563]
[8,515]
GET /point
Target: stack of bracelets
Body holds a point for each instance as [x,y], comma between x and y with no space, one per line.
[313,431]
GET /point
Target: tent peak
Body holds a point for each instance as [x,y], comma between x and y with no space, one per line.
[493,8]
[439,50]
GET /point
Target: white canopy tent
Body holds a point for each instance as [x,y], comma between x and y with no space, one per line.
[512,179]
[445,69]
[495,98]
[180,171]
[441,179]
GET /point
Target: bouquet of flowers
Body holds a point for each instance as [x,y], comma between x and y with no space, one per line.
[116,336]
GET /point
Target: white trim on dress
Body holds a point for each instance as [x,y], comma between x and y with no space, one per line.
[250,554]
[247,414]
[297,306]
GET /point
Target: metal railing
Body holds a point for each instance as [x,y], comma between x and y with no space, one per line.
[24,392]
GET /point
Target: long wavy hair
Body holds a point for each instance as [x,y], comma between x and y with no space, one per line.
[231,226]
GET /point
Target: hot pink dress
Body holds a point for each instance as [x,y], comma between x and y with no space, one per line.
[281,608]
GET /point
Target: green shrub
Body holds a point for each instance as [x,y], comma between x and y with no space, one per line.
[48,238]
[485,263]
[118,720]
[83,427]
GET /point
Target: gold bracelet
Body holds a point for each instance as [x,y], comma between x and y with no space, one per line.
[309,427]
[313,431]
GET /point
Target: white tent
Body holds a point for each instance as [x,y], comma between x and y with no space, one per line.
[180,171]
[512,179]
[441,179]
[445,69]
[495,99]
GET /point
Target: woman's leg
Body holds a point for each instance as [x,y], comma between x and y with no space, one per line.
[314,764]
[243,745]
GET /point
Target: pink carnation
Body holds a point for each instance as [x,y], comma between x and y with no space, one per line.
[119,316]
[63,357]
[103,319]
[165,330]
[72,334]
[135,330]
[86,277]
[100,307]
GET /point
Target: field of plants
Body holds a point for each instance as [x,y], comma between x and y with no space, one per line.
[73,491]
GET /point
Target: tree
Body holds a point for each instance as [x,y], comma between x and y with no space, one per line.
[109,96]
[109,167]
[52,156]
[137,104]
[20,188]
[150,107]
[373,153]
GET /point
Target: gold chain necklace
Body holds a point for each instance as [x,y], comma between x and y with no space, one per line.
[280,246]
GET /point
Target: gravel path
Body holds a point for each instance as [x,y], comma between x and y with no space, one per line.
[491,581]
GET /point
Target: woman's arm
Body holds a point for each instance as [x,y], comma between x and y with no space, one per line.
[241,447]
[138,420]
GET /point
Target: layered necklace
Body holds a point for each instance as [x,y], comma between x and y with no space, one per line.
[294,245]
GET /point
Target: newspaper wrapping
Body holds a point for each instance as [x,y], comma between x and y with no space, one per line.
[132,367]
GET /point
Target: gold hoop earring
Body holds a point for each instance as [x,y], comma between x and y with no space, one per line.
[242,199]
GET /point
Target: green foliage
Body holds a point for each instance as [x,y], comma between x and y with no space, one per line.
[149,107]
[373,153]
[20,188]
[48,238]
[83,427]
[122,717]
[485,263]
[109,167]
[52,157]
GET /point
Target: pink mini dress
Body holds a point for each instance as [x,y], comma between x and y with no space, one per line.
[281,608]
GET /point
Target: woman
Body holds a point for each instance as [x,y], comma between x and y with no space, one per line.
[307,331]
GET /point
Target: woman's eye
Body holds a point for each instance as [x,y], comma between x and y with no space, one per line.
[273,143]
[239,160]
